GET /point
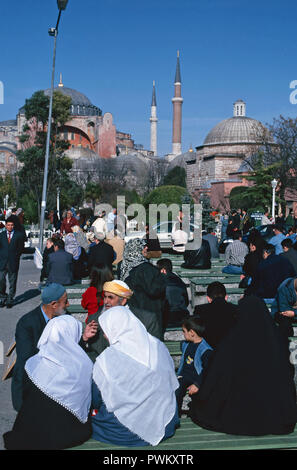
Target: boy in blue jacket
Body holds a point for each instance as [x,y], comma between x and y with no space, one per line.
[196,353]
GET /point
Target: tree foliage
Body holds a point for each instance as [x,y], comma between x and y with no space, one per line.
[176,177]
[282,152]
[7,187]
[32,157]
[259,194]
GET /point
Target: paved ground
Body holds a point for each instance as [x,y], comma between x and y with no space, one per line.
[27,298]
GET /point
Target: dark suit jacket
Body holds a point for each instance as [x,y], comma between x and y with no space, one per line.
[28,331]
[10,253]
[102,253]
[60,267]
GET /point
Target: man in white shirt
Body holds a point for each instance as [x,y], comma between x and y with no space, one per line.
[265,220]
[179,238]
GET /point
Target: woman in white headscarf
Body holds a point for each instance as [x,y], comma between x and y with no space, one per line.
[57,392]
[134,384]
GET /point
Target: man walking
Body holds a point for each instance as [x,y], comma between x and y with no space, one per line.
[11,247]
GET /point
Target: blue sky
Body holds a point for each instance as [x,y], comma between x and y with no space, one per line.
[112,50]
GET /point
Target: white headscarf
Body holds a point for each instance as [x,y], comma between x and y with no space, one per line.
[135,376]
[61,369]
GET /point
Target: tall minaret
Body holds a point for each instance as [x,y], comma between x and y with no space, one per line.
[177,111]
[154,120]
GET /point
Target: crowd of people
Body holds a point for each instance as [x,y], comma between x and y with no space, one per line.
[112,378]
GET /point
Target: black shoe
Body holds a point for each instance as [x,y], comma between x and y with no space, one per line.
[9,304]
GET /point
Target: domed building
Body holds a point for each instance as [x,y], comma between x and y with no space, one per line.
[88,129]
[216,166]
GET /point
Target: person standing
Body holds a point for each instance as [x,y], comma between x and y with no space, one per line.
[11,248]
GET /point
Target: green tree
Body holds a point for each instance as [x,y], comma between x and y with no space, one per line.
[7,186]
[93,193]
[166,195]
[32,157]
[281,149]
[176,177]
[259,194]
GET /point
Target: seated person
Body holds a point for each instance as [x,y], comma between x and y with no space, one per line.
[49,248]
[93,297]
[289,252]
[251,261]
[152,243]
[177,299]
[213,243]
[218,316]
[115,293]
[197,258]
[248,389]
[235,254]
[284,306]
[179,238]
[55,413]
[277,238]
[270,273]
[79,256]
[60,265]
[134,384]
[194,361]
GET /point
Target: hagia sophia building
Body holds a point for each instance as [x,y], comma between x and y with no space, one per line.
[97,147]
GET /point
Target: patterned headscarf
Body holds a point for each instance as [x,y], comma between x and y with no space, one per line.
[132,256]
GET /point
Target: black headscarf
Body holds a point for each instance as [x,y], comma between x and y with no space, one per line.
[249,388]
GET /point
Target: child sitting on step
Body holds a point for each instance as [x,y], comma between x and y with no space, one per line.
[196,353]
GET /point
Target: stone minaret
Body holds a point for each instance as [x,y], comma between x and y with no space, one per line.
[177,111]
[154,120]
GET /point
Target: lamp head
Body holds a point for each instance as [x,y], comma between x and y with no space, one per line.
[274,183]
[62,4]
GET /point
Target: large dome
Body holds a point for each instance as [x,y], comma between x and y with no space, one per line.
[238,129]
[81,105]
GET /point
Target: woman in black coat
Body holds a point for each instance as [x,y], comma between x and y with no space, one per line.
[148,286]
[249,389]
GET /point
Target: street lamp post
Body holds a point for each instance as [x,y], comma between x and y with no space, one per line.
[52,32]
[273,184]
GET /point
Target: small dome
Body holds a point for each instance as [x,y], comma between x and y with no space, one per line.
[236,130]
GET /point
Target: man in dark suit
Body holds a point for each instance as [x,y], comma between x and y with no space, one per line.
[218,316]
[29,329]
[60,265]
[11,248]
[101,252]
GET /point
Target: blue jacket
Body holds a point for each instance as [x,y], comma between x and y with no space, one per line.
[276,240]
[285,297]
[202,348]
